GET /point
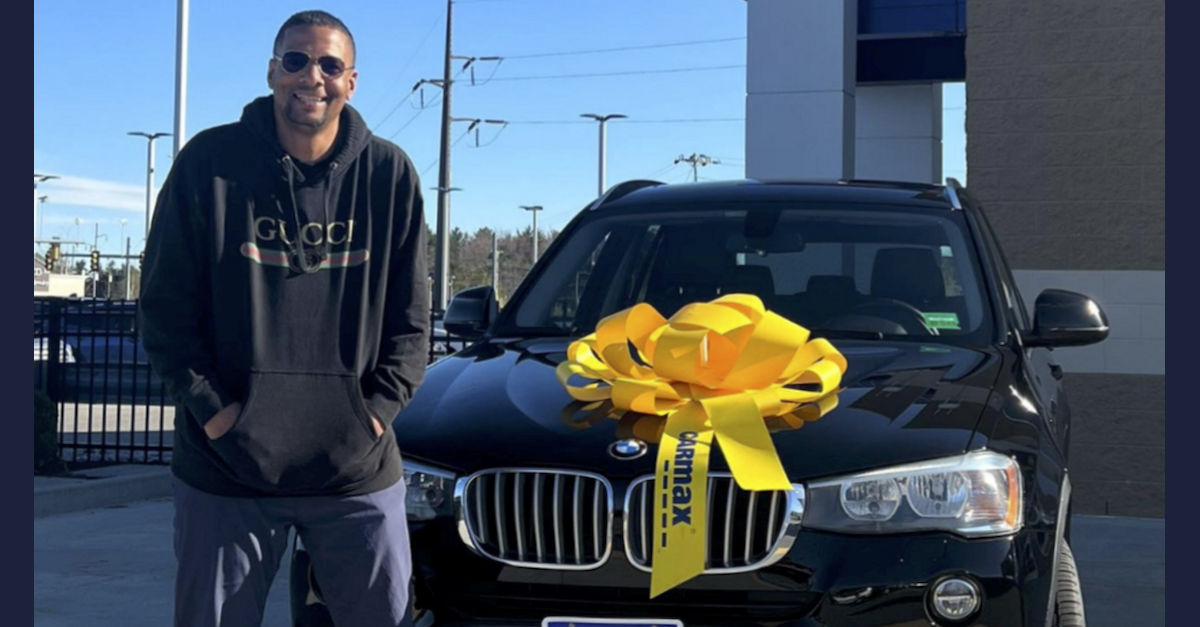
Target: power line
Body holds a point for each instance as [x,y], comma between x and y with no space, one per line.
[625,73]
[696,162]
[394,109]
[400,74]
[663,171]
[685,121]
[625,48]
[406,124]
[437,161]
[633,121]
[498,134]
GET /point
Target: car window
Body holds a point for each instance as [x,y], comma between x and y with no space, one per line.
[1013,304]
[877,269]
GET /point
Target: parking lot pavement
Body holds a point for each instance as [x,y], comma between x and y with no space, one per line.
[114,567]
[1122,569]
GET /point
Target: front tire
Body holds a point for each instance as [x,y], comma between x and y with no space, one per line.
[1068,594]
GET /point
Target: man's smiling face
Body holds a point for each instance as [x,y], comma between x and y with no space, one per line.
[310,96]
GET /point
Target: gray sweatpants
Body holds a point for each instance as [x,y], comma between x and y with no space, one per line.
[229,551]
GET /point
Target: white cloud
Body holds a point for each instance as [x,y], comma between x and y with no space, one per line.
[84,192]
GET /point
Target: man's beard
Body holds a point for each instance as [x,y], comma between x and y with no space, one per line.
[297,116]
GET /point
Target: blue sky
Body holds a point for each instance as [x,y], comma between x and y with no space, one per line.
[105,69]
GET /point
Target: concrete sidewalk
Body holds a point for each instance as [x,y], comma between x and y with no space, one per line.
[98,489]
[103,557]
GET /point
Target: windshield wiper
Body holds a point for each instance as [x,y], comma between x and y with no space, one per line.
[533,332]
[845,334]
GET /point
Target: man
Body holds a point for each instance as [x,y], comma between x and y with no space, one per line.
[284,304]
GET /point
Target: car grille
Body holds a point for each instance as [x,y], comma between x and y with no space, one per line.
[537,518]
[746,530]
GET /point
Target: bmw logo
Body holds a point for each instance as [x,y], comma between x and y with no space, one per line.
[628,449]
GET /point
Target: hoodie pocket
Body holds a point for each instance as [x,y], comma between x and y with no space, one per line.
[300,433]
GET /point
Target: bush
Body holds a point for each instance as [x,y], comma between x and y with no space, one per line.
[45,435]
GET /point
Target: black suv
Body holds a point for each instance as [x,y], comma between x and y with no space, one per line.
[936,492]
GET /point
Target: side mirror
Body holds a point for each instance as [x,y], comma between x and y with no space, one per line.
[1063,318]
[471,312]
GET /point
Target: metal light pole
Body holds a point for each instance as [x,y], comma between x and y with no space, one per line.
[41,200]
[181,55]
[39,178]
[603,120]
[441,268]
[150,137]
[535,209]
[125,270]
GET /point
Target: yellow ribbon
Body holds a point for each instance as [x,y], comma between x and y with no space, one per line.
[724,370]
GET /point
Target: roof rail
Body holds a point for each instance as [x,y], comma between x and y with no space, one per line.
[952,189]
[620,190]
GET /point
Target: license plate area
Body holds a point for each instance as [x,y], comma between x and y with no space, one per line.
[610,622]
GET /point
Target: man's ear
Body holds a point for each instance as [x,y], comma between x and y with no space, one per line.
[271,74]
[351,84]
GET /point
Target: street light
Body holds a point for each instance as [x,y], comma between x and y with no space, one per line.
[181,63]
[441,265]
[603,120]
[39,178]
[535,209]
[126,269]
[150,137]
[41,214]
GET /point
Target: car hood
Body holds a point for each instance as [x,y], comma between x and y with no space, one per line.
[499,404]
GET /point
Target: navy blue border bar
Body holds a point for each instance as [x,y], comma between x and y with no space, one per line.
[1183,224]
[17,457]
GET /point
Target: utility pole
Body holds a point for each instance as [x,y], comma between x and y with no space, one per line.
[534,209]
[496,264]
[150,137]
[441,289]
[696,161]
[442,263]
[603,120]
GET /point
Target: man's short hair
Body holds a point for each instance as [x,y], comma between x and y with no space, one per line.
[315,18]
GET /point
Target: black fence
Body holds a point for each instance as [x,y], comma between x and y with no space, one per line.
[88,357]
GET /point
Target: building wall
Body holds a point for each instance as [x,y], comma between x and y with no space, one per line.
[1066,131]
[898,132]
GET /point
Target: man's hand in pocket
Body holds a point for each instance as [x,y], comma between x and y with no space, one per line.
[223,421]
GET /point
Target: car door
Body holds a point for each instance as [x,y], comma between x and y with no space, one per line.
[1041,374]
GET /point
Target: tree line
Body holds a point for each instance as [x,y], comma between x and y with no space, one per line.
[471,257]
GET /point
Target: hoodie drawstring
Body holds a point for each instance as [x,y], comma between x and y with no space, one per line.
[298,249]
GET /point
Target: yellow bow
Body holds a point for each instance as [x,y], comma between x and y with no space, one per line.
[721,369]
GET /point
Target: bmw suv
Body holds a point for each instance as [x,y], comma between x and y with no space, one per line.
[936,492]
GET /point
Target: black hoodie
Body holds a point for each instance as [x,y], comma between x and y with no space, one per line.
[311,339]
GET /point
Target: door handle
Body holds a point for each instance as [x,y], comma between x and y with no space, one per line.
[1056,371]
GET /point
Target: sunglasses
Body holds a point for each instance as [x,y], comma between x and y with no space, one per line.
[293,62]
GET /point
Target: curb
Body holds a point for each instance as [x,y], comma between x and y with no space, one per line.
[99,489]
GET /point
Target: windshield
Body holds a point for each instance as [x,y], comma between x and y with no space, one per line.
[871,272]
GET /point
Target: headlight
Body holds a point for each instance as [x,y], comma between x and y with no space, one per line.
[975,495]
[430,491]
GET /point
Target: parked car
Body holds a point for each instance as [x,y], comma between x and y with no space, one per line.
[937,492]
[101,355]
